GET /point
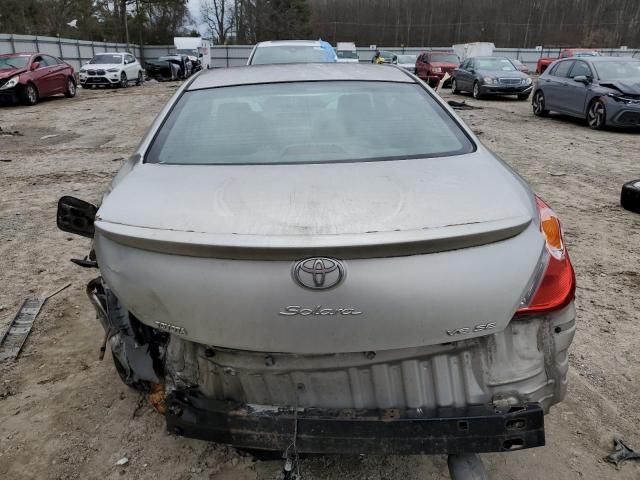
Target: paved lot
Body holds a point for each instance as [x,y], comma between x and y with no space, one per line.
[64,414]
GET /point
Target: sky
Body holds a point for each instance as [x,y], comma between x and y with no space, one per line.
[194,9]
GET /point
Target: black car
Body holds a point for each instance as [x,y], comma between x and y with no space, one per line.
[169,67]
[483,76]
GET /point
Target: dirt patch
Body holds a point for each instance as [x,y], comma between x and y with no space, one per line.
[66,415]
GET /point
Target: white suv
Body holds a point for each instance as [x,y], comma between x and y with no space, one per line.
[111,68]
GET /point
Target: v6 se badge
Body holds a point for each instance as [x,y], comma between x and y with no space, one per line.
[467,330]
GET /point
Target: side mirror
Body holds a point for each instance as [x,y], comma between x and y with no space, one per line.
[200,55]
[582,79]
[471,70]
[35,66]
[395,60]
[76,216]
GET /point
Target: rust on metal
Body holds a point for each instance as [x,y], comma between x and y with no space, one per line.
[157,398]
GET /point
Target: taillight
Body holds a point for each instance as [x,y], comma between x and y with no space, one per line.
[554,284]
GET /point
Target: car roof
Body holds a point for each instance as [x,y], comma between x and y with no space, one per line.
[599,59]
[281,43]
[298,72]
[112,53]
[487,57]
[21,54]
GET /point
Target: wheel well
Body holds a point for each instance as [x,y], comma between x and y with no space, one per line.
[73,79]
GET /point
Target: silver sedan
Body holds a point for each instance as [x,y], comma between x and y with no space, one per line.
[329,246]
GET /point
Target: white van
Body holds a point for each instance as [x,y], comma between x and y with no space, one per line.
[347,52]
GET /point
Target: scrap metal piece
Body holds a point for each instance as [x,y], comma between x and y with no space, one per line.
[462,105]
[16,334]
[621,453]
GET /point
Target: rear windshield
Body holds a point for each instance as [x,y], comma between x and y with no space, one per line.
[347,54]
[306,122]
[444,57]
[106,59]
[407,58]
[291,54]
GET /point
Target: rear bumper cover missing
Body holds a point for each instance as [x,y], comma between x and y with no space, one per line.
[333,431]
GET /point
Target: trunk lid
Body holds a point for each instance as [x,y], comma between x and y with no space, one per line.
[330,204]
[429,247]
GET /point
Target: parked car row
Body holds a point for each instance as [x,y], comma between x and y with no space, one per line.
[172,67]
[28,77]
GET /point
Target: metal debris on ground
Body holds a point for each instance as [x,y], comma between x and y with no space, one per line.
[18,330]
[10,133]
[14,337]
[621,453]
[44,137]
[462,105]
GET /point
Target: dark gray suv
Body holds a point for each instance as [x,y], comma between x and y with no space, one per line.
[484,76]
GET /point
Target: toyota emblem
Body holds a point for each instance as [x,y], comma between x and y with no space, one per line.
[318,273]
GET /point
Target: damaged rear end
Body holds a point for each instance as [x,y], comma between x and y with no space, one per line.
[412,305]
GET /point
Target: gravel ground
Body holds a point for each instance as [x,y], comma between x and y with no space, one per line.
[65,414]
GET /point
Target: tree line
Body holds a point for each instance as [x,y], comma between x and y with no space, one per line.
[139,21]
[507,23]
[251,21]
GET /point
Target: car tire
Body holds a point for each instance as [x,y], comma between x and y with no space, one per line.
[523,96]
[538,104]
[597,115]
[28,94]
[124,81]
[454,87]
[140,79]
[630,196]
[466,466]
[70,92]
[476,91]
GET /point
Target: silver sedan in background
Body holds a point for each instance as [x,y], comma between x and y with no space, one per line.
[281,276]
[605,91]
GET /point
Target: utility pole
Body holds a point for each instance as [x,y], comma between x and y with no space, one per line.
[140,27]
[126,23]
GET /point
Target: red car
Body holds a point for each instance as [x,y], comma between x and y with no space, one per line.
[31,76]
[544,62]
[431,66]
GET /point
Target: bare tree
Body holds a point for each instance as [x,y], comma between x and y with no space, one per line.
[219,16]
